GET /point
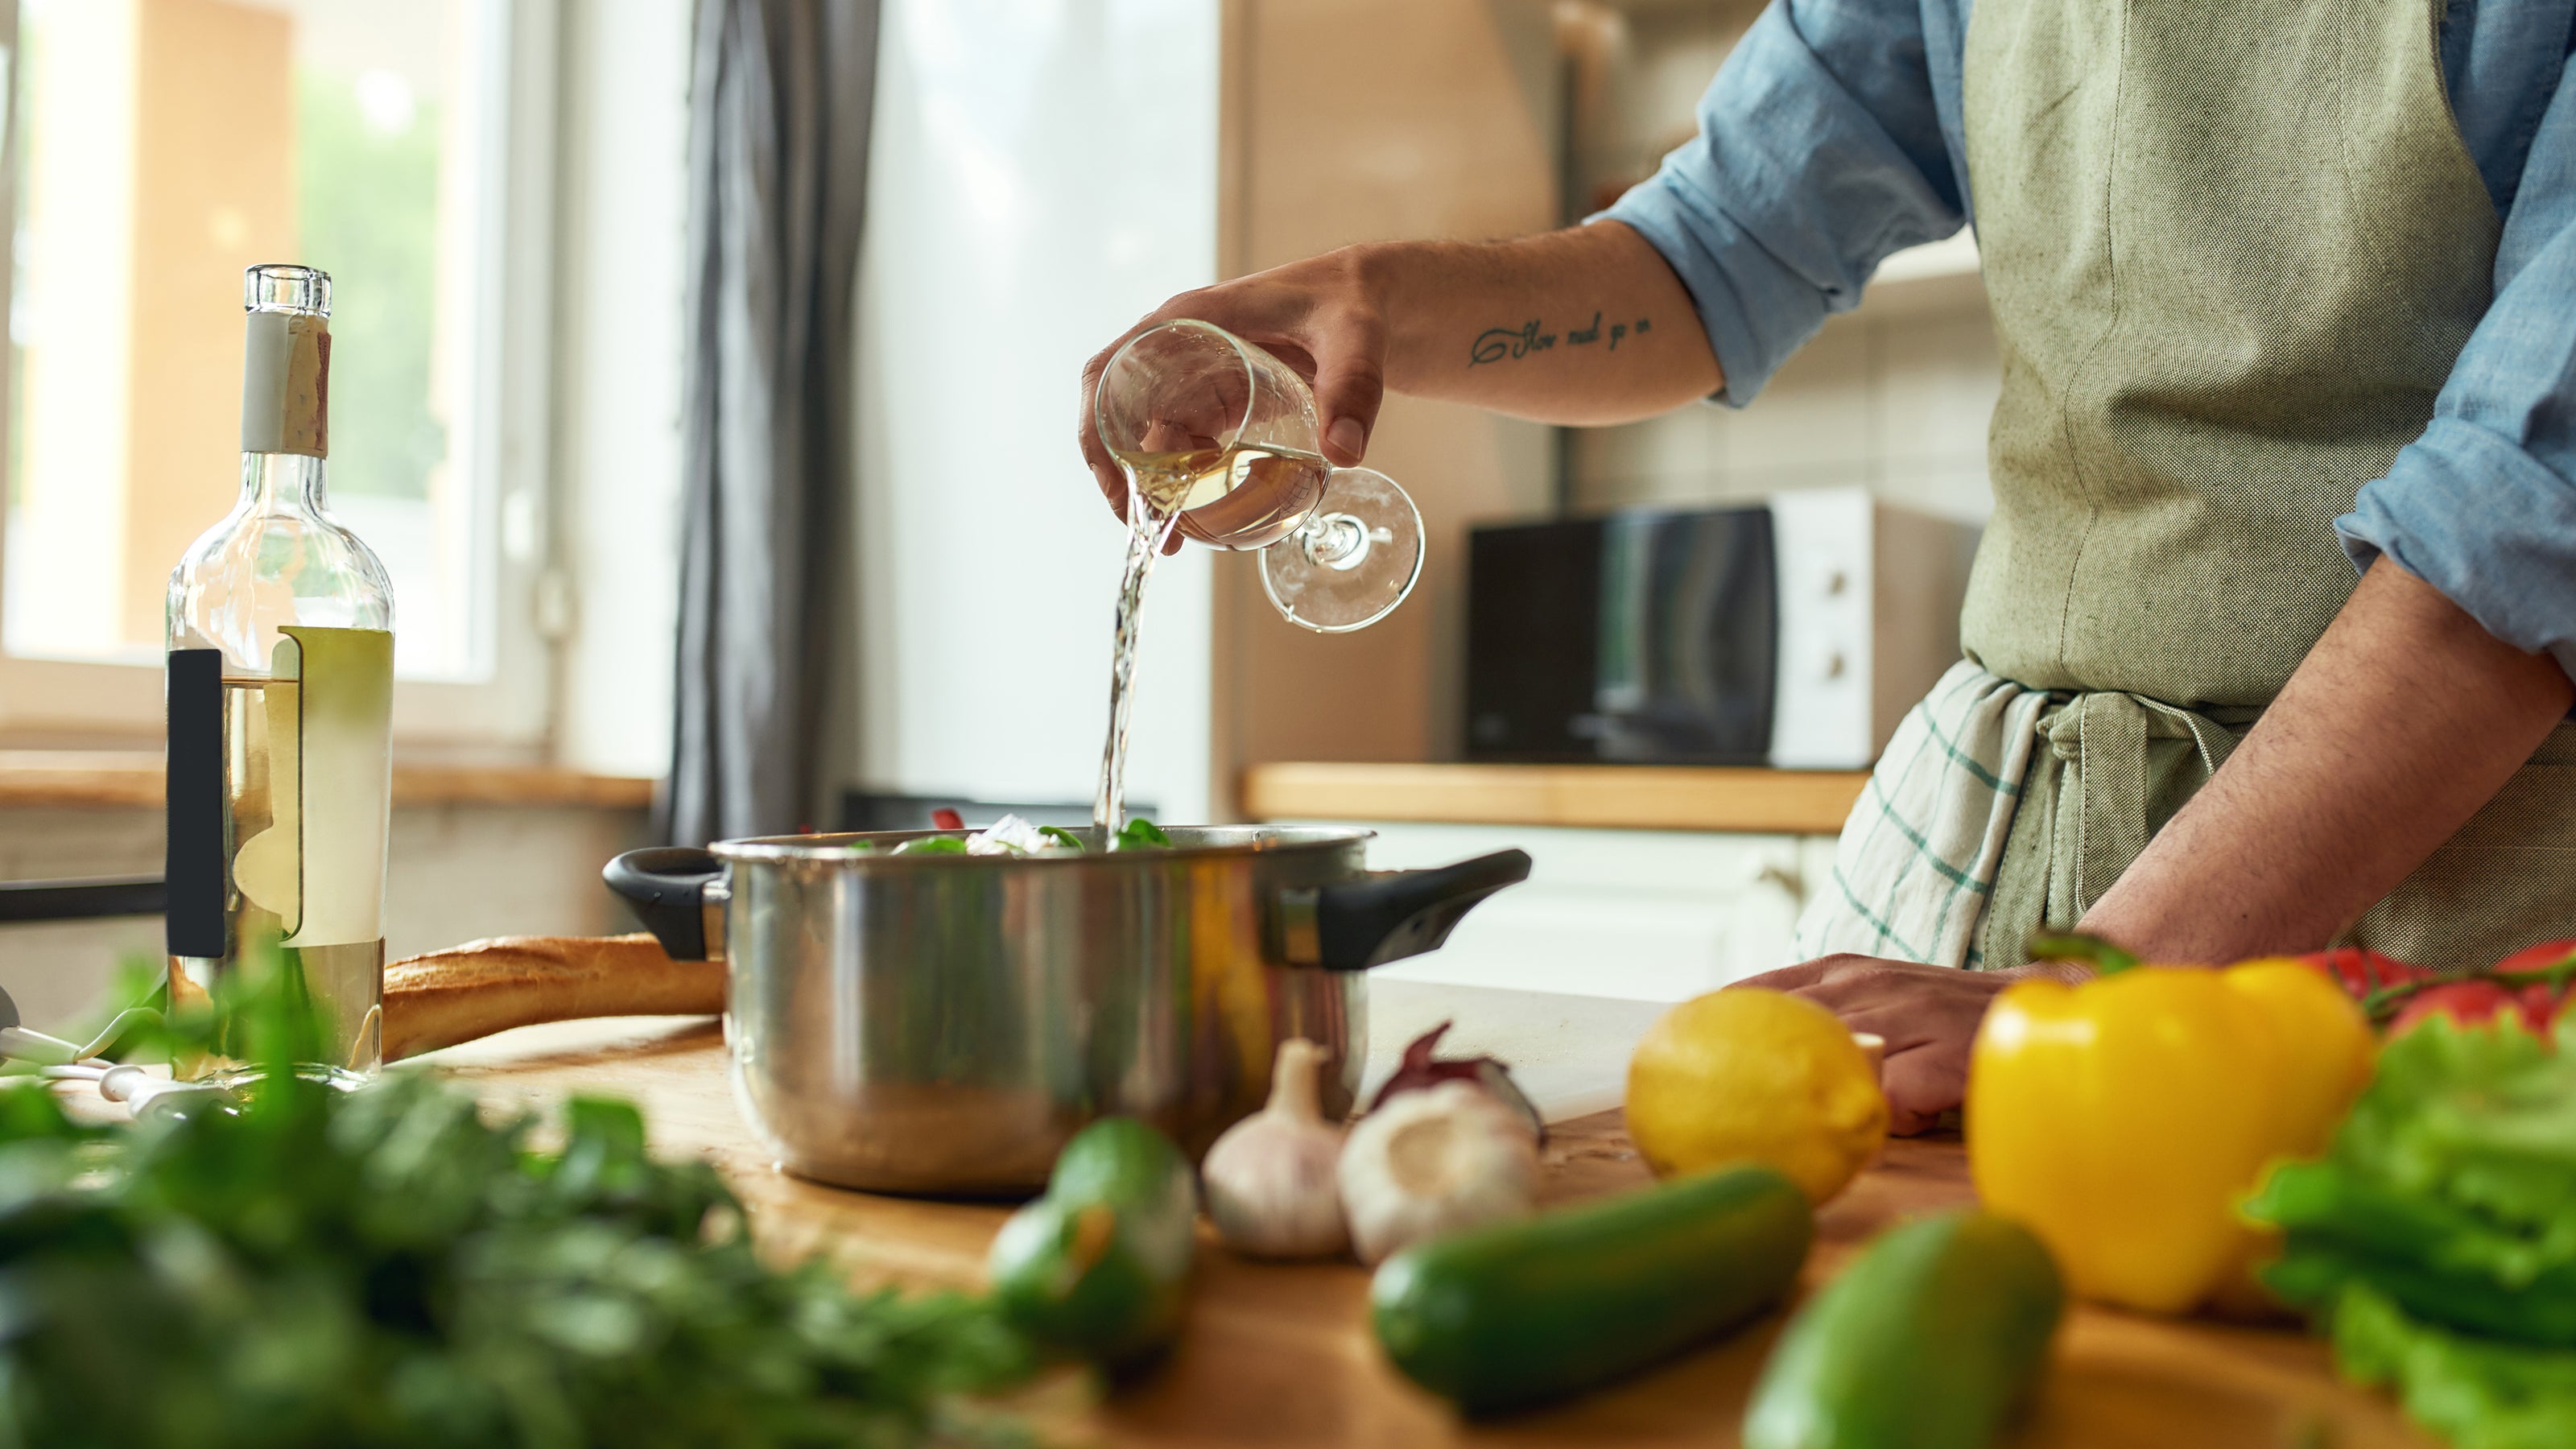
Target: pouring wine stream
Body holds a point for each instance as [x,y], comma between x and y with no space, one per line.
[1156,492]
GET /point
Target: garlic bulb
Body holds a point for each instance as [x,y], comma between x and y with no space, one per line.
[1432,1162]
[1270,1178]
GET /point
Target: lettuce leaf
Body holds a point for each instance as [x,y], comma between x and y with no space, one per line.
[2477,1393]
[2436,1240]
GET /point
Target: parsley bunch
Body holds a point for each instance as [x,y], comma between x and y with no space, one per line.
[384,1267]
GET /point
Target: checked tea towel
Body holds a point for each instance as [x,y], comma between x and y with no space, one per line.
[1917,860]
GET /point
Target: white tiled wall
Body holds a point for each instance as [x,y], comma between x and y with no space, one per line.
[1894,396]
[1897,402]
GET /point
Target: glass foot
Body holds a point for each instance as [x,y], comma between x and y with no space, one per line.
[1353,561]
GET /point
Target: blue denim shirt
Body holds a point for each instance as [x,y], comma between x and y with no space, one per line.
[1833,136]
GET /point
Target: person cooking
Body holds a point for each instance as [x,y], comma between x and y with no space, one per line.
[2269,639]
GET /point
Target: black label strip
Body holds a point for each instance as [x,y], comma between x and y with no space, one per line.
[194,865]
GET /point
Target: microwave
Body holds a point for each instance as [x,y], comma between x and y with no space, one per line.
[1793,633]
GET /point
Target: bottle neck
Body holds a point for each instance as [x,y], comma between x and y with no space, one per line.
[286,385]
[282,483]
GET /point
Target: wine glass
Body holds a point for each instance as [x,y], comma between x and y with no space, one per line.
[1222,434]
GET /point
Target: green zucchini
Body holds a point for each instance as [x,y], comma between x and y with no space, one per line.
[1519,1314]
[1931,1340]
[1099,1266]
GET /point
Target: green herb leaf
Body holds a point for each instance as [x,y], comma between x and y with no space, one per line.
[1061,836]
[1141,832]
[2101,955]
[933,845]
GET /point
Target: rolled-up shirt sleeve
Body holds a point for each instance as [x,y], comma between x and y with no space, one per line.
[2483,505]
[1821,150]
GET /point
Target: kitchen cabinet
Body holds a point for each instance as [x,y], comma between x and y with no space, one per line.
[1647,915]
[1686,879]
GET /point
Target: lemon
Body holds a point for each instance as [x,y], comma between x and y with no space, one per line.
[1748,1075]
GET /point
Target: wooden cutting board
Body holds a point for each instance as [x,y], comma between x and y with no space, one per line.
[1281,1354]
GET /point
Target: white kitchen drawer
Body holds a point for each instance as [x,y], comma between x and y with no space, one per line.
[1644,914]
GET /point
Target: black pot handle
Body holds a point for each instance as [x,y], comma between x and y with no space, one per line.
[81,900]
[667,886]
[1388,915]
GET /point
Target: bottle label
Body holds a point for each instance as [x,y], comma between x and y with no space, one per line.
[320,864]
[286,384]
[193,863]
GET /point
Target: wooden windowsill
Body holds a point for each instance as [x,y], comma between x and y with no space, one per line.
[1642,797]
[132,778]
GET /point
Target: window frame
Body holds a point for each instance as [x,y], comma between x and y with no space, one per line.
[55,703]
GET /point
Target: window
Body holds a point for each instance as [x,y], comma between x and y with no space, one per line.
[157,148]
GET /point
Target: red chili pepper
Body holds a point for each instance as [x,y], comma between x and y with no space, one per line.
[944,818]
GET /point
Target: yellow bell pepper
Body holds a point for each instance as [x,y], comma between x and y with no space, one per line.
[2123,1119]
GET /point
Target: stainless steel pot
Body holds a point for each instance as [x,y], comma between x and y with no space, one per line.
[942,1023]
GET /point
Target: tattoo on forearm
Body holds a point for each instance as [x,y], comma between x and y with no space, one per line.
[1497,344]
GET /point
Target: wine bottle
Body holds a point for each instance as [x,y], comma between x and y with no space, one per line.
[280,705]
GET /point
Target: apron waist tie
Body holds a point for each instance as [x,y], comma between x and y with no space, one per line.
[2107,806]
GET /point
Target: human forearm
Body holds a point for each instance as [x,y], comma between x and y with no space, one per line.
[1585,325]
[2405,718]
[1581,326]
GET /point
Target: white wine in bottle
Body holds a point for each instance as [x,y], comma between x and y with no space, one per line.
[280,700]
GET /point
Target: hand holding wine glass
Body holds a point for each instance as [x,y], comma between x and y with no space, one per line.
[1225,439]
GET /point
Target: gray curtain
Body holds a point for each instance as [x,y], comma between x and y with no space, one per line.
[778,149]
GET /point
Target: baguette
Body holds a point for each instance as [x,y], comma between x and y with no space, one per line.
[470,991]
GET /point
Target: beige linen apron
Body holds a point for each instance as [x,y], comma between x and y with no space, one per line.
[2233,250]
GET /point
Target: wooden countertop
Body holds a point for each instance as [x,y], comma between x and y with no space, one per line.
[1649,797]
[132,778]
[1281,1354]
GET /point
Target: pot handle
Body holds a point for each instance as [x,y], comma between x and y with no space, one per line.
[1388,915]
[667,886]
